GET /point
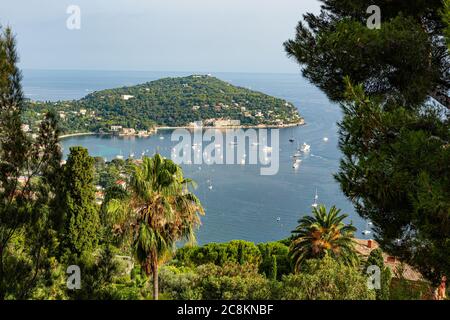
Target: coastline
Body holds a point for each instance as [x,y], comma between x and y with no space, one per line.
[262,126]
[79,134]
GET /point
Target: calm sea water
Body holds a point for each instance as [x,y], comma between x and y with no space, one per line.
[242,204]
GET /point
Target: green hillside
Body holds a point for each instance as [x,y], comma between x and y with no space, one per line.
[166,102]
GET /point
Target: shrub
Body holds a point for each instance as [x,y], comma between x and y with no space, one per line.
[237,251]
[179,284]
[212,282]
[233,282]
[325,279]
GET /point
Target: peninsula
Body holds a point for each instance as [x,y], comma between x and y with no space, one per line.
[166,103]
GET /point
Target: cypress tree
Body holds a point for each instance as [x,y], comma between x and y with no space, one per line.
[273,269]
[240,254]
[376,259]
[81,213]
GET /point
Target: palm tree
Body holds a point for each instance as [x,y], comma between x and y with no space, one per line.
[161,210]
[321,234]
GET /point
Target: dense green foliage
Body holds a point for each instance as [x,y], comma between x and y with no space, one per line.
[166,102]
[385,151]
[27,223]
[324,279]
[237,251]
[209,281]
[404,61]
[272,258]
[323,234]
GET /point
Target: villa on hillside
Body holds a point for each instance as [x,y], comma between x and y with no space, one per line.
[127,97]
[365,247]
[116,128]
[127,132]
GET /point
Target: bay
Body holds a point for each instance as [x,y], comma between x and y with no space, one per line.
[242,204]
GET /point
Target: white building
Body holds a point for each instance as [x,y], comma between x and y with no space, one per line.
[227,123]
[127,97]
[116,128]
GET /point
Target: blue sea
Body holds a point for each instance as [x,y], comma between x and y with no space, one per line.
[242,204]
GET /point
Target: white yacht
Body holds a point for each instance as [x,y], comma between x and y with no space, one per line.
[210,186]
[305,147]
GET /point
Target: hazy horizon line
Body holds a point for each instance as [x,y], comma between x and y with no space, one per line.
[169,71]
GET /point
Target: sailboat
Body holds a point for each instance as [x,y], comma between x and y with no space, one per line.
[209,184]
[316,197]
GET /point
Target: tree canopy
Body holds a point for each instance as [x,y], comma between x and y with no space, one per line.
[405,61]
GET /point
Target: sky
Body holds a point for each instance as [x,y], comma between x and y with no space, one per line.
[157,35]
